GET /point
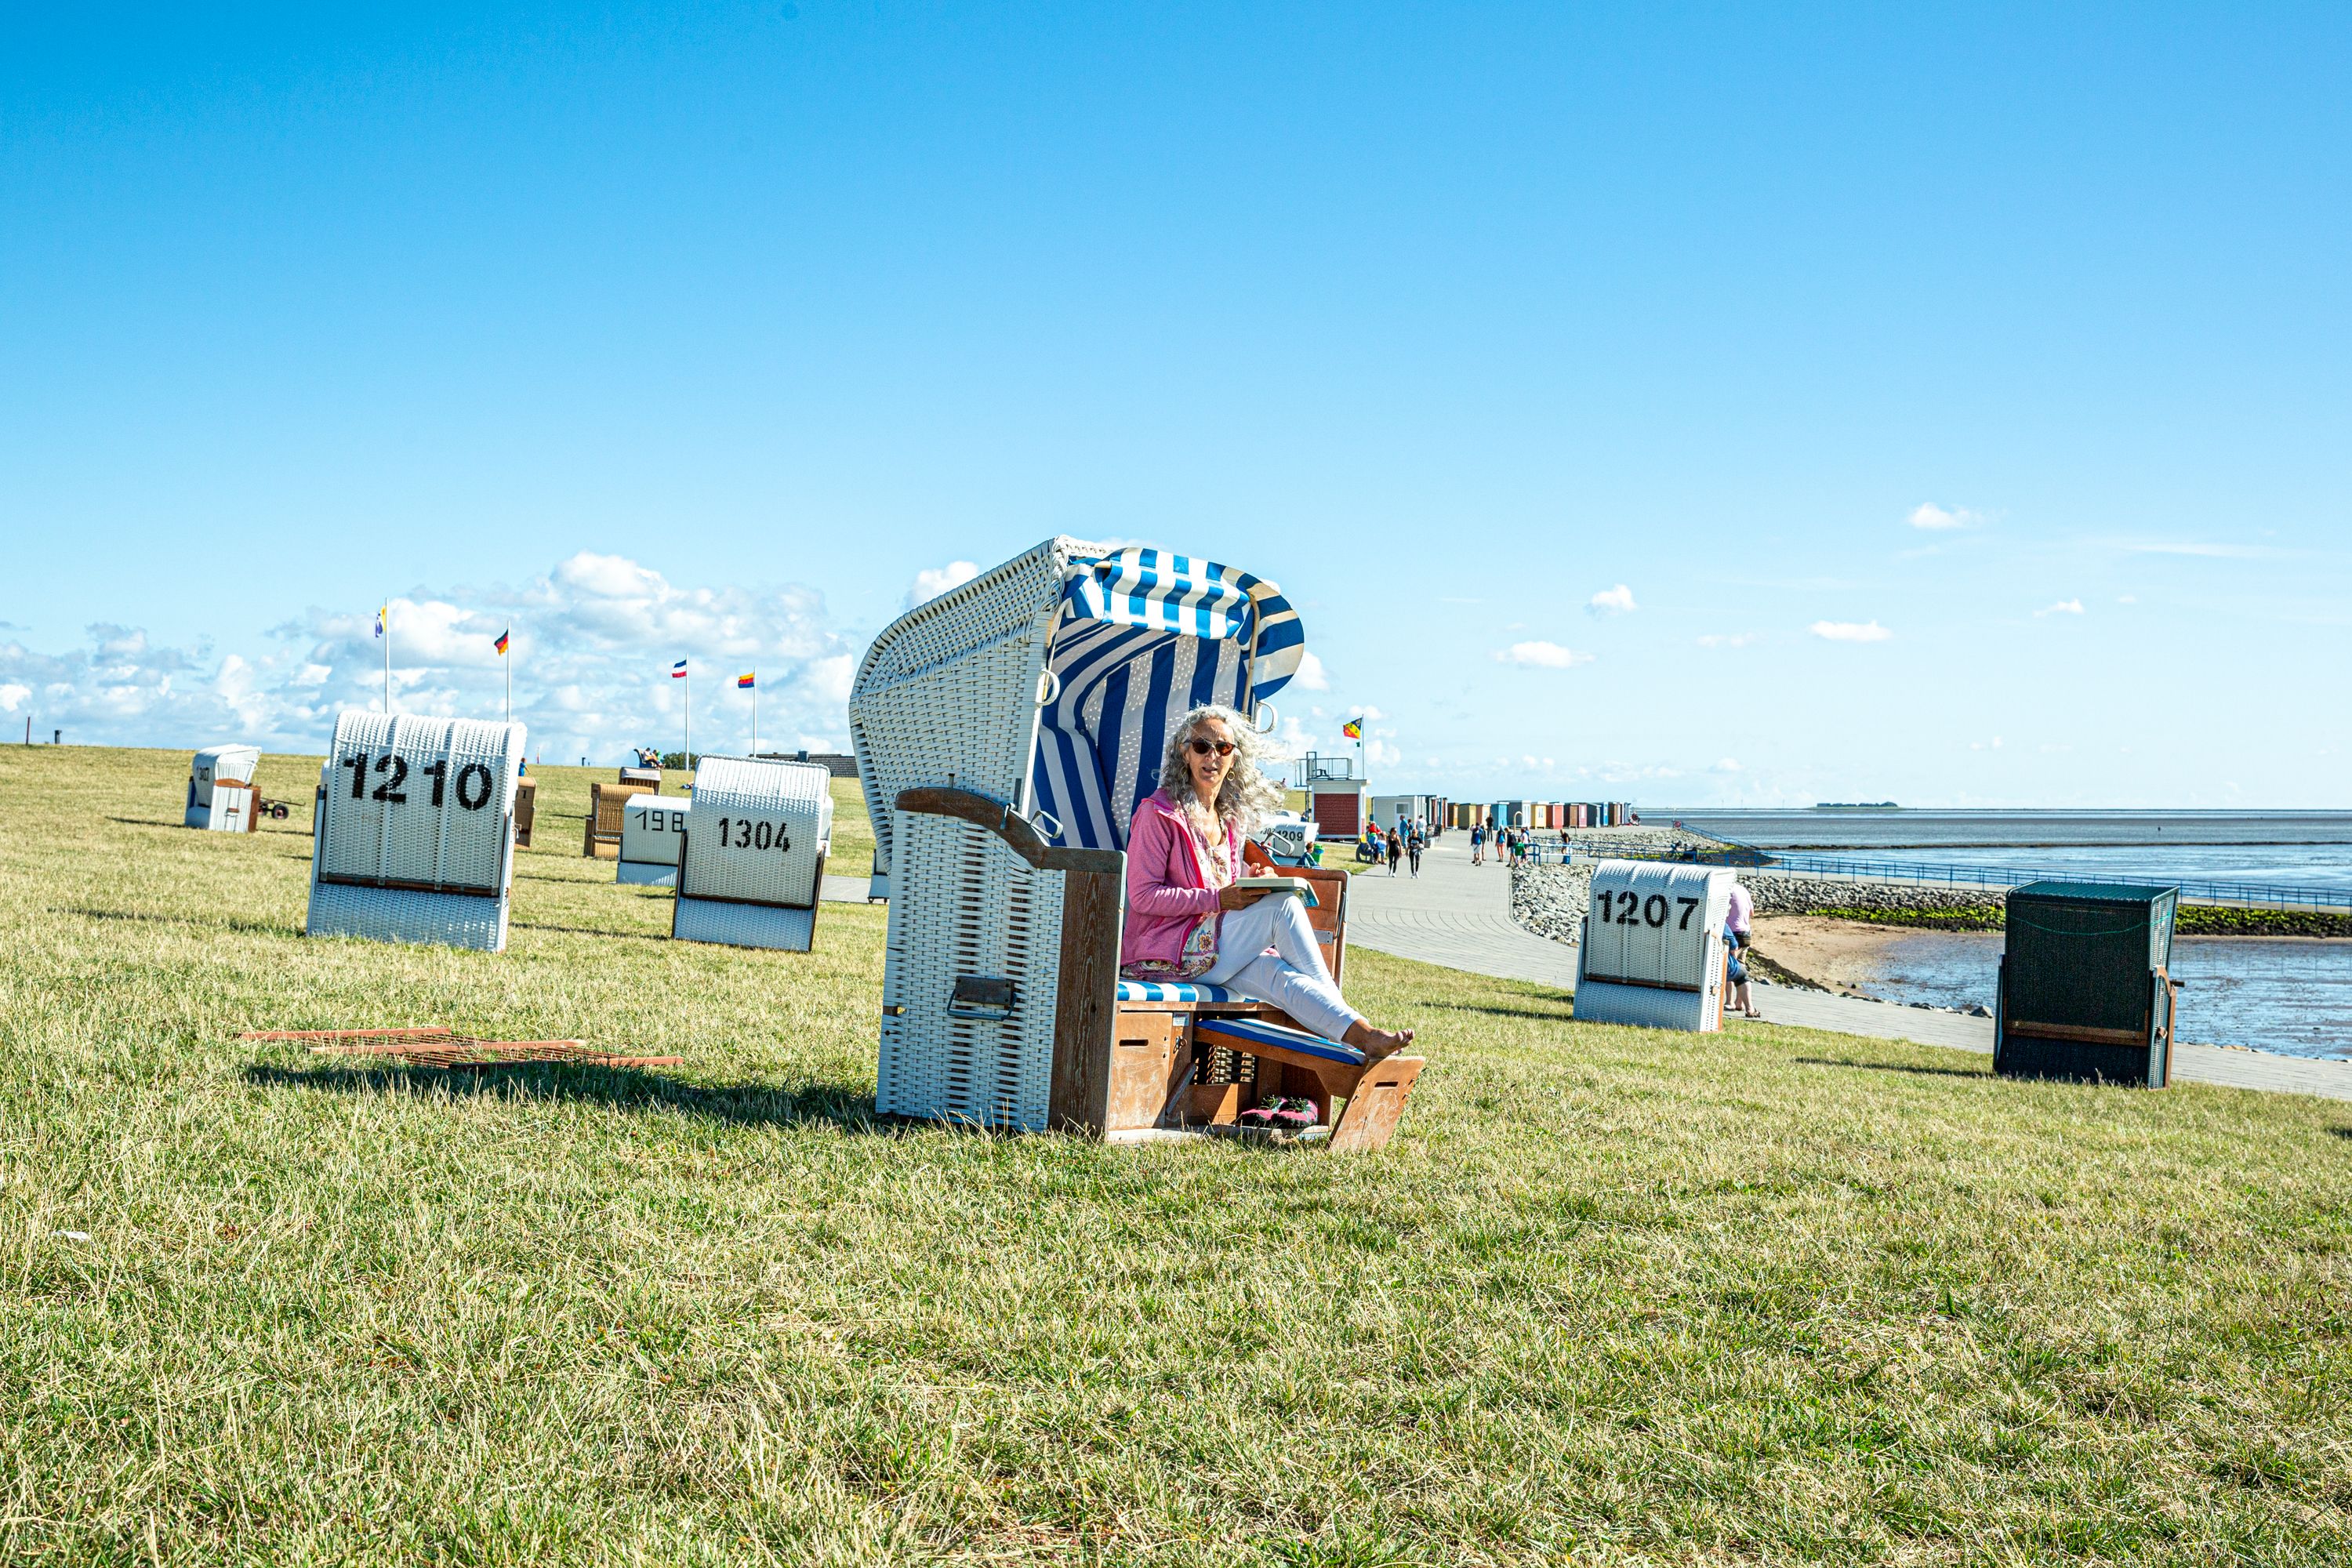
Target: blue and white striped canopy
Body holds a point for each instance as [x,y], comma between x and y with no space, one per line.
[1162,591]
[1144,635]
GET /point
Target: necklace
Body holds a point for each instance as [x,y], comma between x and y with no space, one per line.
[1211,833]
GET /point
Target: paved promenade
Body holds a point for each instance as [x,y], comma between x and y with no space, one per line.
[844,889]
[1459,915]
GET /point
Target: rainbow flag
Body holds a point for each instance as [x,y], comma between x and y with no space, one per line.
[1353,728]
[501,644]
[747,681]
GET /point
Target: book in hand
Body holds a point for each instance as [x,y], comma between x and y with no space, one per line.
[1279,885]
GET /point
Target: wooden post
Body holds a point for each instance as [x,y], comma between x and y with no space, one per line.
[1087,1000]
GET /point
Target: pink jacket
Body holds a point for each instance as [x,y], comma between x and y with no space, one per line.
[1167,887]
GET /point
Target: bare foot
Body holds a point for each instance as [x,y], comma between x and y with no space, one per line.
[1376,1043]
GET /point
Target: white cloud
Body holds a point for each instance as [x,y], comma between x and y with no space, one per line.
[1311,675]
[1929,515]
[831,677]
[2127,598]
[2062,608]
[13,694]
[1540,656]
[1992,746]
[1618,600]
[594,639]
[1381,753]
[933,581]
[1728,639]
[1726,765]
[1371,714]
[1293,737]
[1850,631]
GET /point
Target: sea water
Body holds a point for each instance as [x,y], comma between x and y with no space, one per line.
[2289,995]
[2297,849]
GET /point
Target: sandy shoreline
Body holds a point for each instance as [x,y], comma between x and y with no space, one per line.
[1836,956]
[1848,956]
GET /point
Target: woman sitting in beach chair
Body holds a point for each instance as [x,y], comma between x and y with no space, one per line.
[1188,844]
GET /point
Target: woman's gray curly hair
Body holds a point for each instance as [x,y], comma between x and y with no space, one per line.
[1247,796]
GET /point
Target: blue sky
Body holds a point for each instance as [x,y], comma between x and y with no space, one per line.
[710,330]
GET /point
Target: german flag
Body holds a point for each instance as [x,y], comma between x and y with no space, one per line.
[503,636]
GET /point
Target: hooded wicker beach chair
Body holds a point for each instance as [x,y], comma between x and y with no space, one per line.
[1004,732]
[221,794]
[414,839]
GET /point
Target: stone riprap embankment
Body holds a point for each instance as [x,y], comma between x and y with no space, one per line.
[1550,900]
[1778,893]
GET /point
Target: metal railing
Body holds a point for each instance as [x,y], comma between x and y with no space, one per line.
[2004,877]
[1316,767]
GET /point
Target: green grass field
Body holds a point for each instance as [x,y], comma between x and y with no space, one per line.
[1610,1296]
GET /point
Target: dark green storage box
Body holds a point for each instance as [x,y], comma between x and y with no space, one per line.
[2087,990]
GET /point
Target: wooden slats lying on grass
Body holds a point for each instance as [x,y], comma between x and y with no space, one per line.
[438,1047]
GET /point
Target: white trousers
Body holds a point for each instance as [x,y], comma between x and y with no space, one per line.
[1293,977]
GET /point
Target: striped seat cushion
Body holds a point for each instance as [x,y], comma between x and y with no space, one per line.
[1174,991]
[1241,1034]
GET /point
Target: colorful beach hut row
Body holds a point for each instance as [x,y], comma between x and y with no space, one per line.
[1542,814]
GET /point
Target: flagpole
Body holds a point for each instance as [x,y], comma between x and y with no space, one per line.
[387,657]
[508,657]
[755,713]
[690,718]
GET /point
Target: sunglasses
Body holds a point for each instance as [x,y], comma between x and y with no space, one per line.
[1202,748]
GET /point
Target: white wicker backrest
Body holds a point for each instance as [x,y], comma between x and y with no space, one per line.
[653,827]
[972,906]
[1651,921]
[947,694]
[758,832]
[213,763]
[423,802]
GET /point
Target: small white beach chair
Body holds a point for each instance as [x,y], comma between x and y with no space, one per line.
[750,867]
[1004,732]
[220,788]
[414,836]
[1653,952]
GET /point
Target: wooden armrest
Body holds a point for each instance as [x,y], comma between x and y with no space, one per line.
[1016,832]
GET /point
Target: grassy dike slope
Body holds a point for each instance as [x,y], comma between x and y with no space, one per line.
[1612,1294]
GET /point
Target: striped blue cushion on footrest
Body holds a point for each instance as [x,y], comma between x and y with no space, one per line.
[1240,1033]
[1173,991]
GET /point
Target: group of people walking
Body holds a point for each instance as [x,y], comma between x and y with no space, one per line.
[1403,844]
[1511,846]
